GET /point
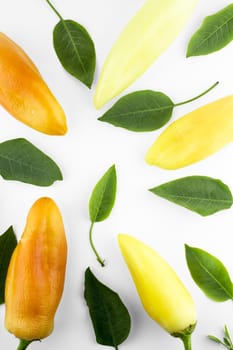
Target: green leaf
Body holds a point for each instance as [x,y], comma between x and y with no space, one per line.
[227,342]
[140,111]
[201,194]
[144,110]
[20,160]
[75,50]
[215,339]
[8,242]
[110,317]
[209,273]
[103,196]
[227,335]
[215,33]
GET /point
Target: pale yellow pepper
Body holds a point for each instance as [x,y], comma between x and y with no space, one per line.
[162,293]
[36,274]
[24,93]
[195,136]
[144,39]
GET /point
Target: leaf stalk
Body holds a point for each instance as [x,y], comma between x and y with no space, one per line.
[198,96]
[54,9]
[101,261]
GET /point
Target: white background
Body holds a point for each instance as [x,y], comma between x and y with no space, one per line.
[91,147]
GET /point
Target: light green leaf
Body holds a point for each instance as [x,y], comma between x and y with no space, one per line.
[201,194]
[227,342]
[8,242]
[209,273]
[215,33]
[103,196]
[110,317]
[20,160]
[215,339]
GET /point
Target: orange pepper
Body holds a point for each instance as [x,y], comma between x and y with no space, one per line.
[36,273]
[24,93]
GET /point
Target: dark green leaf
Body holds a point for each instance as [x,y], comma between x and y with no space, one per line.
[103,196]
[75,50]
[209,273]
[201,194]
[215,32]
[8,242]
[110,317]
[21,161]
[140,111]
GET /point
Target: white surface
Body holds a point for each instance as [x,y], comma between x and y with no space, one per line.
[90,147]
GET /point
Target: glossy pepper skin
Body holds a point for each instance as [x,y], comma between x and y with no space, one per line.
[162,293]
[195,136]
[36,273]
[149,33]
[24,93]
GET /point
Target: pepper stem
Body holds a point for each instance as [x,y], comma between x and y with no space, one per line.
[198,96]
[185,336]
[187,342]
[23,344]
[101,261]
[54,10]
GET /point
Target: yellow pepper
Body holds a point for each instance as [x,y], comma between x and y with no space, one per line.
[195,136]
[145,38]
[24,93]
[162,293]
[36,273]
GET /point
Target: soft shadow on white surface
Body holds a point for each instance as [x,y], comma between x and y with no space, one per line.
[90,147]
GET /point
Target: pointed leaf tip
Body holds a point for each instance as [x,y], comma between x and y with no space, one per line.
[200,194]
[215,33]
[103,196]
[76,50]
[110,317]
[140,111]
[209,274]
[21,161]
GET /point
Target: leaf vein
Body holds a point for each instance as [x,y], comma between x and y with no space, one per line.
[74,46]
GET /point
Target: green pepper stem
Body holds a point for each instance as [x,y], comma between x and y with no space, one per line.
[54,10]
[198,96]
[187,342]
[185,336]
[23,344]
[101,261]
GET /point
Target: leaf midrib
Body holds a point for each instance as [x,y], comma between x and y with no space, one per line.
[100,201]
[199,198]
[108,318]
[141,111]
[211,275]
[21,163]
[213,33]
[74,46]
